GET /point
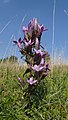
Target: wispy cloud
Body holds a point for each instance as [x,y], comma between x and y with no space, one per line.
[7,1]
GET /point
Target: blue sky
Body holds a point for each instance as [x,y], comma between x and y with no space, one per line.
[12,13]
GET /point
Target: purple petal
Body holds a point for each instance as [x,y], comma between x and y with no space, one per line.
[41,68]
[42,62]
[20,41]
[31,81]
[37,68]
[26,43]
[29,42]
[40,52]
[42,28]
[33,24]
[19,45]
[25,29]
[30,25]
[37,51]
[37,44]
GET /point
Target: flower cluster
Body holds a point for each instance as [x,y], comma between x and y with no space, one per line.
[30,47]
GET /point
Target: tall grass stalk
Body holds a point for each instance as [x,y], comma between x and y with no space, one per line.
[8,23]
[53,33]
[7,48]
[21,25]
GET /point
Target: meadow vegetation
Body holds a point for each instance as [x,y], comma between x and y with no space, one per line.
[51,105]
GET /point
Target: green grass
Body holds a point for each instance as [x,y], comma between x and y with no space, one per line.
[51,105]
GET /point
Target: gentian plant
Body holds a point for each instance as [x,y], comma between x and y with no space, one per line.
[35,57]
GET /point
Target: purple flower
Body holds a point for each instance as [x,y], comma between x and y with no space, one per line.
[33,24]
[42,54]
[28,45]
[28,30]
[25,29]
[38,68]
[18,43]
[21,81]
[33,29]
[39,56]
[41,28]
[30,81]
[27,34]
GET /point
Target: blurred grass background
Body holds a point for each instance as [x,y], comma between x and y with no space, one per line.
[54,104]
